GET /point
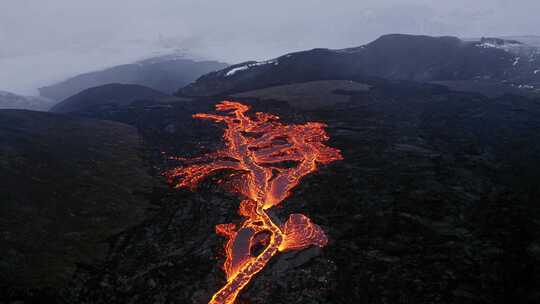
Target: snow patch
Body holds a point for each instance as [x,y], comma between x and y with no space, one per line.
[487,45]
[505,46]
[518,49]
[237,69]
[249,65]
[516,61]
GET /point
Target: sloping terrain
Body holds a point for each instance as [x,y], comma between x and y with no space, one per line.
[489,88]
[397,57]
[308,95]
[106,97]
[434,202]
[68,184]
[166,74]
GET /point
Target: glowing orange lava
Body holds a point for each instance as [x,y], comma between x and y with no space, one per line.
[272,158]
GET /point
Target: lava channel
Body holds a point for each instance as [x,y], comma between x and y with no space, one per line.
[271,158]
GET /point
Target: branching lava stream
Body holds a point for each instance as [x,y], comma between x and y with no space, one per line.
[272,158]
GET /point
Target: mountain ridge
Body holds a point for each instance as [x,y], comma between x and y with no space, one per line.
[164,73]
[394,56]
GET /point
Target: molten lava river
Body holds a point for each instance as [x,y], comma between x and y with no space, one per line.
[270,159]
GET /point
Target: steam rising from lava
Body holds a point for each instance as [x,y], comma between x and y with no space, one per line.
[262,149]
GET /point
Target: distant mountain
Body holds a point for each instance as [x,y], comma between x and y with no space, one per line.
[394,57]
[13,101]
[166,74]
[68,184]
[105,97]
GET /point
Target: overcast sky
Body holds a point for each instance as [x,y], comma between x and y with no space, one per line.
[43,41]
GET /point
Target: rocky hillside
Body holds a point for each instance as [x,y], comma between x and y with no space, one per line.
[165,74]
[68,184]
[399,57]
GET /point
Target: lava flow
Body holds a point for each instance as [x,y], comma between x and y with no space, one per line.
[271,158]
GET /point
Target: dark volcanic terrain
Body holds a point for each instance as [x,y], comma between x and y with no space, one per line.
[68,184]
